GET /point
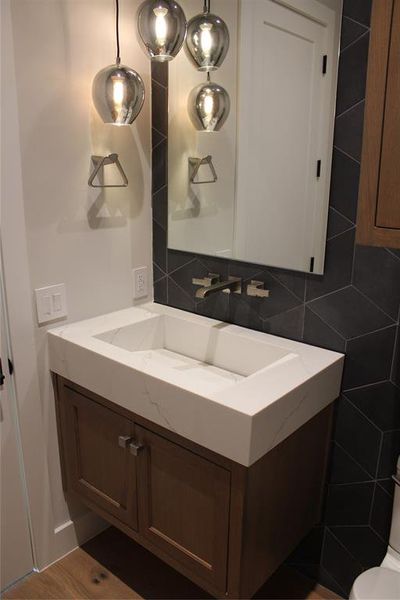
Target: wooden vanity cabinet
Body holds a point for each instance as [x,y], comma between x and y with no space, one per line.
[96,462]
[224,526]
[378,221]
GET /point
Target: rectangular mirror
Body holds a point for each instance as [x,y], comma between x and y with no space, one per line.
[257,190]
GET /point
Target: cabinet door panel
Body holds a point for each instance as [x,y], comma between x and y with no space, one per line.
[97,467]
[184,506]
[388,210]
[378,220]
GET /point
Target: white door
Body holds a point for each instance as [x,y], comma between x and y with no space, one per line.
[16,552]
[284,119]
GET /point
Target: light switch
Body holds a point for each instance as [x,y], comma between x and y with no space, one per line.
[51,303]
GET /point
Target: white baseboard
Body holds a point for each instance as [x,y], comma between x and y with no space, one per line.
[71,534]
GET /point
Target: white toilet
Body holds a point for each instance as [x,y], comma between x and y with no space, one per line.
[383,583]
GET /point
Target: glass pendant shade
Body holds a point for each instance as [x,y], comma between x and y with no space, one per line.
[162,28]
[207,41]
[209,106]
[118,94]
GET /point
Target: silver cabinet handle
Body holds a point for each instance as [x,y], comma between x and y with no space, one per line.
[123,440]
[135,448]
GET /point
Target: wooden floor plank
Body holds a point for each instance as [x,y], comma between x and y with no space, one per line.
[113,567]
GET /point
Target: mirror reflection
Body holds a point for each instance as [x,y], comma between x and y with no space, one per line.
[251,120]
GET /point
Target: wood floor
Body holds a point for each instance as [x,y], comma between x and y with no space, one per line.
[113,567]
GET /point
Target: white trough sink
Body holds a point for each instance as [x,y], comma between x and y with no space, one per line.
[235,391]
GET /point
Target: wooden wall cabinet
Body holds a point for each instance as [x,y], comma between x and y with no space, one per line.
[378,221]
[224,526]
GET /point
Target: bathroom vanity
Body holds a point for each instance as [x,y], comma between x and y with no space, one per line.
[211,458]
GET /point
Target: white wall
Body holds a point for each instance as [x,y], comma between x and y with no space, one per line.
[79,236]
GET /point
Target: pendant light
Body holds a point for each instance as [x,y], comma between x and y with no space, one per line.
[209,105]
[118,91]
[162,28]
[207,40]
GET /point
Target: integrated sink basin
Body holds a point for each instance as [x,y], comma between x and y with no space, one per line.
[200,357]
[235,391]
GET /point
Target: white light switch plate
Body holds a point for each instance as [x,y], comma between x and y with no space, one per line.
[51,303]
[140,283]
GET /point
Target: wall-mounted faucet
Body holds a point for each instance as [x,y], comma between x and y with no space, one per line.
[212,284]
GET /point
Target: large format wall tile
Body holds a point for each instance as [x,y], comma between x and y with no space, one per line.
[354,308]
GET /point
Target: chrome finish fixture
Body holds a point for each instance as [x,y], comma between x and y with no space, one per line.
[117,90]
[100,162]
[233,284]
[256,289]
[209,105]
[207,40]
[207,281]
[124,440]
[118,94]
[135,448]
[194,166]
[162,28]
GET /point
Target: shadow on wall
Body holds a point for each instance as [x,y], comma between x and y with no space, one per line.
[112,207]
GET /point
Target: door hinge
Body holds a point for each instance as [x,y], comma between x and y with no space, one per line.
[312,261]
[319,167]
[324,64]
[10,367]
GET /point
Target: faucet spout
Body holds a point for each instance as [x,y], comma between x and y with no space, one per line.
[233,284]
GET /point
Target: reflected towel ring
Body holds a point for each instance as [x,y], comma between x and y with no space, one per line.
[194,166]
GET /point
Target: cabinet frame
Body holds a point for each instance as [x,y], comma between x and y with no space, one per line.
[368,232]
[273,504]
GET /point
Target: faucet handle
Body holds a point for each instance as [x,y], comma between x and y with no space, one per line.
[256,289]
[207,281]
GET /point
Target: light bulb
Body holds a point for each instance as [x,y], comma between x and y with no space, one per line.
[206,41]
[118,94]
[162,28]
[208,106]
[118,91]
[161,25]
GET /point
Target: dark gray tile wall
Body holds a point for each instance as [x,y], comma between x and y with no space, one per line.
[353,308]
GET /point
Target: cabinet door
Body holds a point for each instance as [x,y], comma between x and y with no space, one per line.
[378,221]
[97,460]
[184,506]
[388,209]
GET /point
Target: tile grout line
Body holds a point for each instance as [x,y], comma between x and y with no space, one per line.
[358,337]
[344,112]
[365,385]
[348,155]
[341,215]
[327,324]
[373,302]
[396,343]
[356,462]
[355,41]
[364,415]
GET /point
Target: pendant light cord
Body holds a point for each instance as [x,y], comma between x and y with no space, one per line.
[118,59]
[207,6]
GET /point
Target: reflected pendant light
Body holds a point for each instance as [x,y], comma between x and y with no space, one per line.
[118,91]
[209,105]
[207,40]
[162,28]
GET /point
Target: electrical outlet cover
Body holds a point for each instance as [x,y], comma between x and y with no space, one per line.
[140,287]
